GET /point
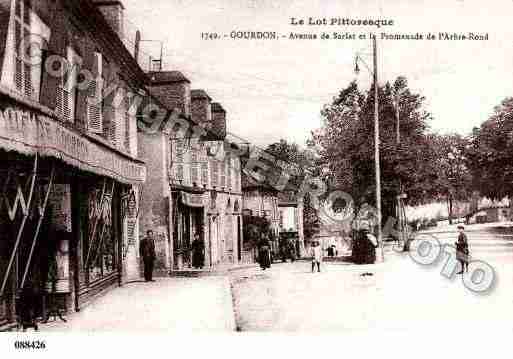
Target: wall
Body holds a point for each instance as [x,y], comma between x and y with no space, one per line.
[154,210]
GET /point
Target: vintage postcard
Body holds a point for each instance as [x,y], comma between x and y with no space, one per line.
[258,166]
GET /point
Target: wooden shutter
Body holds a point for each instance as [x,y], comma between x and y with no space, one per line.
[194,166]
[81,112]
[204,172]
[222,170]
[5,17]
[214,173]
[56,46]
[229,172]
[128,119]
[110,121]
[94,104]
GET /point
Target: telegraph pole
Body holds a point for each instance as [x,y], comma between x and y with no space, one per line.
[376,144]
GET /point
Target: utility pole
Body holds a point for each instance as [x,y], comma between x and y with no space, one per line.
[398,139]
[376,145]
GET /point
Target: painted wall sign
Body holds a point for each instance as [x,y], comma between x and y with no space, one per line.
[60,202]
[28,132]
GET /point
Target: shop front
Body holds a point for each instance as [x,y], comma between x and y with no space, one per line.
[63,209]
[188,221]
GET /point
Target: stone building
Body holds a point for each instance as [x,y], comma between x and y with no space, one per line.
[291,219]
[68,153]
[194,183]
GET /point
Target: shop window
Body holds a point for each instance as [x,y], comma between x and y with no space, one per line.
[100,254]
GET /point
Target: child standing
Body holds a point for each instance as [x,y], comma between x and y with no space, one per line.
[316,256]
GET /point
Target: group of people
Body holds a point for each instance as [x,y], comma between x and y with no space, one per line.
[148,254]
[265,258]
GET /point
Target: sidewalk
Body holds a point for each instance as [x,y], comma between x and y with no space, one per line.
[168,304]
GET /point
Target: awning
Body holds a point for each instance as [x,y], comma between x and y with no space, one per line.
[193,199]
[29,131]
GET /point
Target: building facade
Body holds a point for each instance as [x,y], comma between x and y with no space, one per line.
[194,184]
[291,219]
[68,153]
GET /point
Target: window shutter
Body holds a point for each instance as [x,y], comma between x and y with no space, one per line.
[222,169]
[18,73]
[110,120]
[214,173]
[127,124]
[82,114]
[194,166]
[94,105]
[204,173]
[229,172]
[56,46]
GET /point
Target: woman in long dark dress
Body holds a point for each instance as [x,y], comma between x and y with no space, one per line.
[264,249]
[462,250]
[198,252]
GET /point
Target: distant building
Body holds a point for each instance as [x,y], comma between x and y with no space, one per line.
[291,218]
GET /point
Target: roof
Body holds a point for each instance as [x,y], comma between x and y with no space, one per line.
[216,107]
[199,93]
[163,77]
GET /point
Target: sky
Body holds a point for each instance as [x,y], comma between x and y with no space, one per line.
[276,89]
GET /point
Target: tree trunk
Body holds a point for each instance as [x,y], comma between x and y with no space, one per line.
[450,208]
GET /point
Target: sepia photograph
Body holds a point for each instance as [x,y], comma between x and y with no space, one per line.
[238,168]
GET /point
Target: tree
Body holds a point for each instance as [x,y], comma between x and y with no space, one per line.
[454,180]
[490,153]
[346,144]
[298,164]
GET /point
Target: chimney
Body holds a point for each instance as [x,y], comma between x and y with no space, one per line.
[200,107]
[218,120]
[173,89]
[113,12]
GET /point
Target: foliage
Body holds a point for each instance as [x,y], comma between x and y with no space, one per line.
[346,145]
[253,228]
[454,180]
[490,153]
[298,164]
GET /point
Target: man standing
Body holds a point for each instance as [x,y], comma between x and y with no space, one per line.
[148,255]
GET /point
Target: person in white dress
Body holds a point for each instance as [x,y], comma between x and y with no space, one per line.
[316,252]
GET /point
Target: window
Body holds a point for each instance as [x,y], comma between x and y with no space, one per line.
[194,166]
[94,105]
[67,92]
[28,39]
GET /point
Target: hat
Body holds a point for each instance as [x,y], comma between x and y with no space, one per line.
[461,227]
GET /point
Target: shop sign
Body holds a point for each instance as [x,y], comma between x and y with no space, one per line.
[60,203]
[28,132]
[193,200]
